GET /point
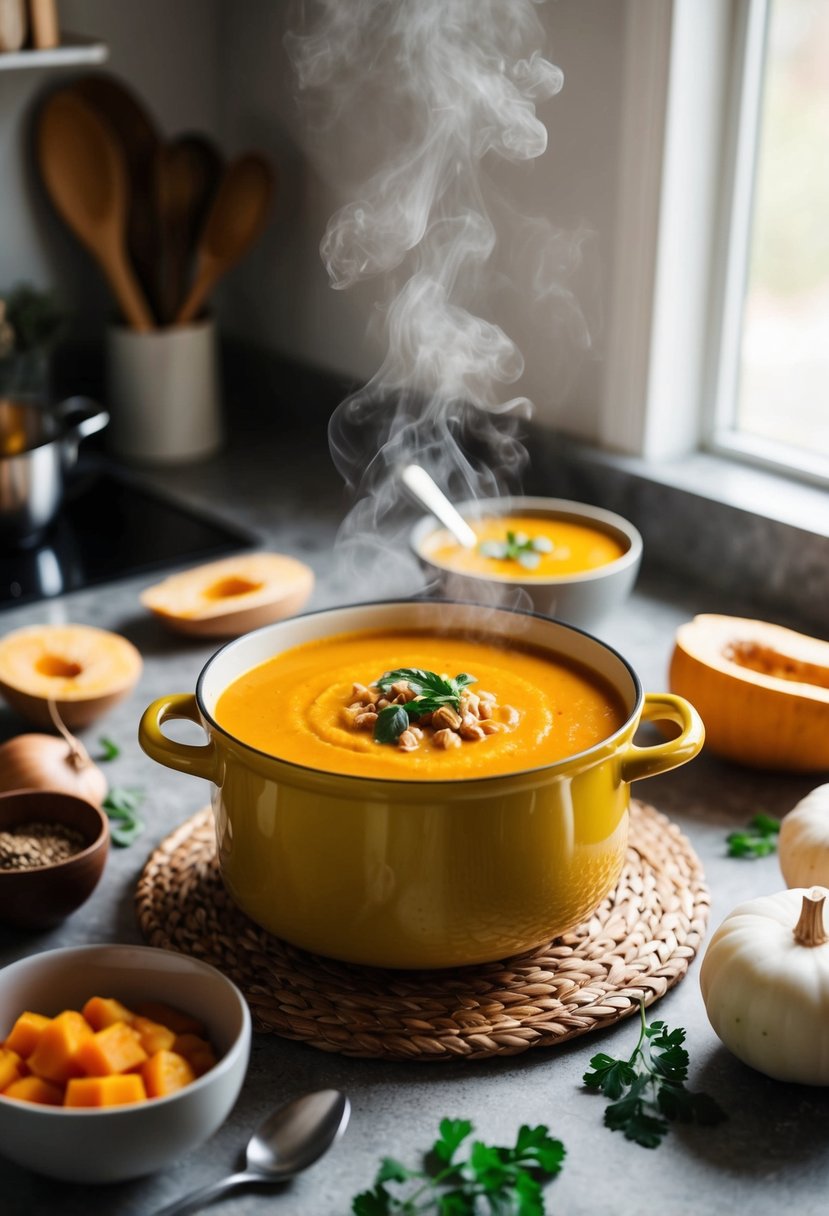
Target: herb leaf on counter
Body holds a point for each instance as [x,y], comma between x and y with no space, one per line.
[757,839]
[505,1179]
[648,1089]
[121,805]
[109,750]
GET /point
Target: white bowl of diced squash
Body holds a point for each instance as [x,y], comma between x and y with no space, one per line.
[115,1059]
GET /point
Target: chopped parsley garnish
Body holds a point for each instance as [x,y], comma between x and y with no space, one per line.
[517,548]
[431,692]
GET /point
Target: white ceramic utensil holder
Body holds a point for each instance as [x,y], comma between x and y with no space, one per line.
[163,393]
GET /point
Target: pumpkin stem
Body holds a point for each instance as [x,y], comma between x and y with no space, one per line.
[810,930]
[78,756]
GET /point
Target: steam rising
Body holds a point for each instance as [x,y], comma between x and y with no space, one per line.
[457,83]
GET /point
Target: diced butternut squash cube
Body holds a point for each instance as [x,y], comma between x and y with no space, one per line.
[24,1035]
[11,1067]
[168,1015]
[154,1037]
[111,1050]
[102,1011]
[55,1058]
[197,1051]
[35,1089]
[166,1072]
[116,1090]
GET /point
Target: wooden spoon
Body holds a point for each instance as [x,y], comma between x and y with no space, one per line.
[206,167]
[140,140]
[187,171]
[83,168]
[236,218]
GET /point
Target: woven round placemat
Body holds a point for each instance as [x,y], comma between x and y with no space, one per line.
[637,945]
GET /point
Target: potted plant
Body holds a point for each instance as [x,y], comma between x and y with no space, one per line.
[30,321]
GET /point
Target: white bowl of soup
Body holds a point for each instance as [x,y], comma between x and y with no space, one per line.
[572,561]
[419,783]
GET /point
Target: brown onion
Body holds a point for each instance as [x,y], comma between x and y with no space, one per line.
[50,762]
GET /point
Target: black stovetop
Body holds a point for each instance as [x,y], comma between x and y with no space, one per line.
[111,527]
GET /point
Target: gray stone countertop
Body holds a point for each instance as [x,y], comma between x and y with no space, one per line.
[772,1153]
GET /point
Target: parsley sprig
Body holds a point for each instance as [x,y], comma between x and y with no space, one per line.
[757,839]
[431,692]
[121,805]
[504,1179]
[109,750]
[517,548]
[648,1089]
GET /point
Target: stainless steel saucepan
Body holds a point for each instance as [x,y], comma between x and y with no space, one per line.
[38,446]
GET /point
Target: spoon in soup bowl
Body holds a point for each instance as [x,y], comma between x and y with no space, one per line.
[429,493]
[285,1143]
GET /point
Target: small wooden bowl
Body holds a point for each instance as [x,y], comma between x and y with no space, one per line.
[39,897]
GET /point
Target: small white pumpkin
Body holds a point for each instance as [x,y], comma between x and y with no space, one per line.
[765,984]
[803,845]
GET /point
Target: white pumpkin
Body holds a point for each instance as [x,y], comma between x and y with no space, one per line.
[765,984]
[803,846]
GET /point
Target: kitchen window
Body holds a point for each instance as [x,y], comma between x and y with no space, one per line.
[721,340]
[772,397]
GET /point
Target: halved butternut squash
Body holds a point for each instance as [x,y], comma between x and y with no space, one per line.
[761,690]
[232,596]
[84,670]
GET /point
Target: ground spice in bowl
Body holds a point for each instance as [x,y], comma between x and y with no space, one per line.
[53,848]
[32,845]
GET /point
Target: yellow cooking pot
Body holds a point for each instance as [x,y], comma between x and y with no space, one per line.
[420,873]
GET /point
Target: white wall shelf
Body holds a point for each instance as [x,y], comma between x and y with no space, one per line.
[73,49]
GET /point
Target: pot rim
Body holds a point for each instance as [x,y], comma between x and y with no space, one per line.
[539,504]
[568,762]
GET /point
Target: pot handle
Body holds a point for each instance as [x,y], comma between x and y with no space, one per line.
[81,417]
[639,762]
[185,757]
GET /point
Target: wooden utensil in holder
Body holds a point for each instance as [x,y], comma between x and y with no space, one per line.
[82,165]
[43,17]
[13,24]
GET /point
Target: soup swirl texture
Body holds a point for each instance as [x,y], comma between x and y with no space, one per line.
[295,706]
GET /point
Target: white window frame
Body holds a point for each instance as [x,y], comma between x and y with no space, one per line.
[693,79]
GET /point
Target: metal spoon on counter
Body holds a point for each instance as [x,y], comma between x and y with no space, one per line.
[285,1143]
[433,498]
[236,218]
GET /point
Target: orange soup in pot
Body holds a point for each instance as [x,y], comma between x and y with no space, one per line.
[525,547]
[414,705]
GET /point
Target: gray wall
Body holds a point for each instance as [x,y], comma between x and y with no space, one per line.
[220,65]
